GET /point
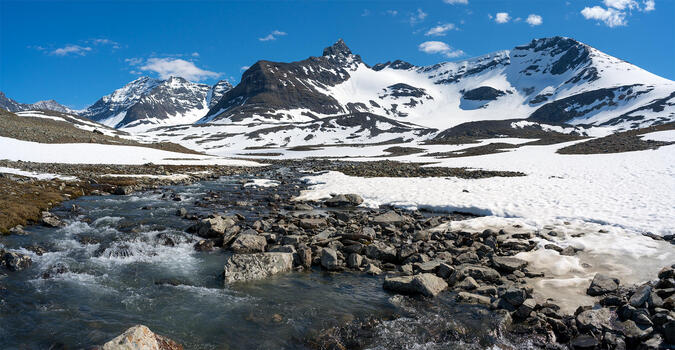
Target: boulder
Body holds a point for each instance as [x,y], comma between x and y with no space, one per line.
[50,220]
[602,284]
[14,261]
[354,260]
[248,267]
[381,251]
[468,284]
[141,338]
[246,243]
[508,264]
[479,273]
[305,256]
[214,226]
[641,295]
[425,284]
[312,224]
[594,320]
[329,259]
[473,298]
[389,218]
[344,200]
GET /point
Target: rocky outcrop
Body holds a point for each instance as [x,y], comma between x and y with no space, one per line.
[140,338]
[249,267]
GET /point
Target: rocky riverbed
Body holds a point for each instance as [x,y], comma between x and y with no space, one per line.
[420,283]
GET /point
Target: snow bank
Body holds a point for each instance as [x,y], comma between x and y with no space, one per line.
[89,153]
[664,136]
[39,176]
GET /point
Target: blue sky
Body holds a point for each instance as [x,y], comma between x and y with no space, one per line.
[77,51]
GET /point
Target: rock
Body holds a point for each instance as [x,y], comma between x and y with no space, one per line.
[344,200]
[526,308]
[305,256]
[373,270]
[515,296]
[641,295]
[50,220]
[141,338]
[381,251]
[429,266]
[473,298]
[17,230]
[204,245]
[508,264]
[669,332]
[312,224]
[634,332]
[245,243]
[425,284]
[479,273]
[468,283]
[602,284]
[389,218]
[594,320]
[445,270]
[468,258]
[247,267]
[568,251]
[123,190]
[354,260]
[584,342]
[181,212]
[368,232]
[329,259]
[14,261]
[213,227]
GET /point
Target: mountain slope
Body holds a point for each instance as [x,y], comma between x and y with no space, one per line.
[9,104]
[549,80]
[147,102]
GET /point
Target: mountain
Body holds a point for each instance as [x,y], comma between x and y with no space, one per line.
[552,80]
[10,105]
[147,102]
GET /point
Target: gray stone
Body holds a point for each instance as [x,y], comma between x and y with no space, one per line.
[584,342]
[247,267]
[343,200]
[329,259]
[249,244]
[312,224]
[354,260]
[445,270]
[634,332]
[373,270]
[389,218]
[515,296]
[473,298]
[15,261]
[425,284]
[369,232]
[50,220]
[141,338]
[641,295]
[213,227]
[594,320]
[479,273]
[602,284]
[468,283]
[508,264]
[381,251]
[305,256]
[526,308]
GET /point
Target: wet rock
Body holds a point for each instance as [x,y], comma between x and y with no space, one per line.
[17,230]
[214,226]
[584,342]
[445,270]
[669,332]
[50,220]
[508,264]
[526,308]
[425,284]
[389,218]
[427,267]
[373,270]
[594,320]
[344,200]
[602,284]
[641,295]
[515,296]
[473,298]
[182,212]
[247,243]
[305,257]
[329,259]
[354,260]
[247,267]
[141,338]
[123,190]
[14,261]
[635,333]
[204,245]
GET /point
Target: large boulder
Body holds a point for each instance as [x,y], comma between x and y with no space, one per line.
[249,267]
[479,273]
[329,259]
[50,220]
[389,218]
[246,243]
[602,284]
[594,320]
[425,284]
[381,251]
[214,226]
[344,200]
[141,338]
[508,264]
[14,261]
[640,296]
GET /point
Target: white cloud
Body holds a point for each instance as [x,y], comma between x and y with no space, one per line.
[272,36]
[453,2]
[392,12]
[243,68]
[195,54]
[502,17]
[621,4]
[365,13]
[168,67]
[650,5]
[104,41]
[418,16]
[616,11]
[71,49]
[534,20]
[134,61]
[439,47]
[440,29]
[610,16]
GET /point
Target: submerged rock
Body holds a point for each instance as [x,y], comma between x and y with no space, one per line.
[425,284]
[141,338]
[248,267]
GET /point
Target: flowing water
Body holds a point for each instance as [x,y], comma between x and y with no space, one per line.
[126,260]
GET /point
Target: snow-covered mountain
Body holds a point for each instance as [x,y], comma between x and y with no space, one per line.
[147,102]
[554,79]
[10,105]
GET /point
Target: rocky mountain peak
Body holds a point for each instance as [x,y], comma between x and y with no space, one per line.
[339,48]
